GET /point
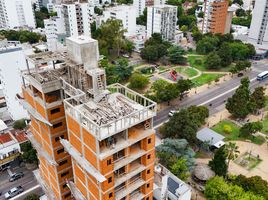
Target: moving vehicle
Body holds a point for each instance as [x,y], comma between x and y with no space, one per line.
[13,192]
[262,76]
[16,176]
[240,74]
[172,112]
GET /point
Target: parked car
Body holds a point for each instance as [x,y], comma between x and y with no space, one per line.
[172,112]
[16,176]
[13,192]
[240,74]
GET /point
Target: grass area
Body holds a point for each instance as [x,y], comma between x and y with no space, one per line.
[266,103]
[187,71]
[233,133]
[205,78]
[197,62]
[265,126]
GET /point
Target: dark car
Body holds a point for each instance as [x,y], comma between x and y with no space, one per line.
[240,74]
[16,176]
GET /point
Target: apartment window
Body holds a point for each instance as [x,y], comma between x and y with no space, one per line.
[55,110]
[110,179]
[148,185]
[148,171]
[67,195]
[64,173]
[60,151]
[109,162]
[149,156]
[64,186]
[111,195]
[149,141]
[147,198]
[63,162]
[57,125]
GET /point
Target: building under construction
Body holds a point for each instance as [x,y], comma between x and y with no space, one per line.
[93,141]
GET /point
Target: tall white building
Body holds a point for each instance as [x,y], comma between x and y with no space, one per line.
[16,13]
[77,18]
[127,14]
[162,19]
[139,6]
[12,61]
[258,33]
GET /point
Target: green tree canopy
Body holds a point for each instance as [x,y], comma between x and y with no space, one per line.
[258,99]
[180,169]
[213,61]
[219,162]
[142,19]
[32,197]
[29,153]
[218,189]
[250,128]
[184,85]
[176,55]
[19,124]
[138,81]
[207,45]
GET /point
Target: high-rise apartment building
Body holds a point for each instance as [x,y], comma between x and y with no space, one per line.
[96,140]
[215,15]
[258,33]
[162,19]
[126,14]
[77,18]
[16,13]
[140,5]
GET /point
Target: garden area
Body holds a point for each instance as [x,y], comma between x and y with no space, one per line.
[231,132]
[248,160]
[187,71]
[205,79]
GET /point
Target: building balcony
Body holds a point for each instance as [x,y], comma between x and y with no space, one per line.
[136,195]
[129,188]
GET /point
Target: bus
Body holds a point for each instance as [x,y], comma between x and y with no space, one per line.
[262,75]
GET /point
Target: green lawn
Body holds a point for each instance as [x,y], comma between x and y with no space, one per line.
[234,132]
[205,78]
[197,62]
[187,71]
[265,126]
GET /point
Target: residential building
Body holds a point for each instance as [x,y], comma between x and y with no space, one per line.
[159,2]
[140,5]
[12,61]
[16,13]
[10,146]
[168,186]
[139,38]
[162,19]
[215,15]
[125,13]
[258,32]
[106,131]
[248,4]
[76,18]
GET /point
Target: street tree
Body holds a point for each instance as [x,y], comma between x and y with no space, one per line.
[218,164]
[258,99]
[213,61]
[32,197]
[225,55]
[176,55]
[239,104]
[29,153]
[243,65]
[184,85]
[138,81]
[232,152]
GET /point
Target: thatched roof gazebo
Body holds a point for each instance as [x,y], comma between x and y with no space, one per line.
[202,172]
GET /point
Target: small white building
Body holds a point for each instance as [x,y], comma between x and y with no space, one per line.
[169,187]
[239,30]
[162,19]
[16,13]
[139,39]
[12,61]
[125,13]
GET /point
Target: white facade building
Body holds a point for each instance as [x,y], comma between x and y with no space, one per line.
[162,19]
[16,13]
[127,14]
[77,18]
[139,6]
[12,61]
[258,33]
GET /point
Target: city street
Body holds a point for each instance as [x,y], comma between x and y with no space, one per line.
[215,97]
[27,181]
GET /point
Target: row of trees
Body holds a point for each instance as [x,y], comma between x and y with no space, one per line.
[177,156]
[185,123]
[163,91]
[22,36]
[243,102]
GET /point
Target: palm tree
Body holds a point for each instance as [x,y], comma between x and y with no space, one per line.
[232,152]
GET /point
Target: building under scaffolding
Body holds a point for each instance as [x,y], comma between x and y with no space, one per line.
[106,131]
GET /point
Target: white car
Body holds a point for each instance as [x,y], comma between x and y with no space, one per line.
[172,112]
[13,192]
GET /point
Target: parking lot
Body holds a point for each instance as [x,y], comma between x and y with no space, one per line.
[27,181]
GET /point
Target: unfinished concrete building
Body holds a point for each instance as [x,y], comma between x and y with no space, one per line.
[106,131]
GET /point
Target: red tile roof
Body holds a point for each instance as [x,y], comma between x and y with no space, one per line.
[19,135]
[4,138]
